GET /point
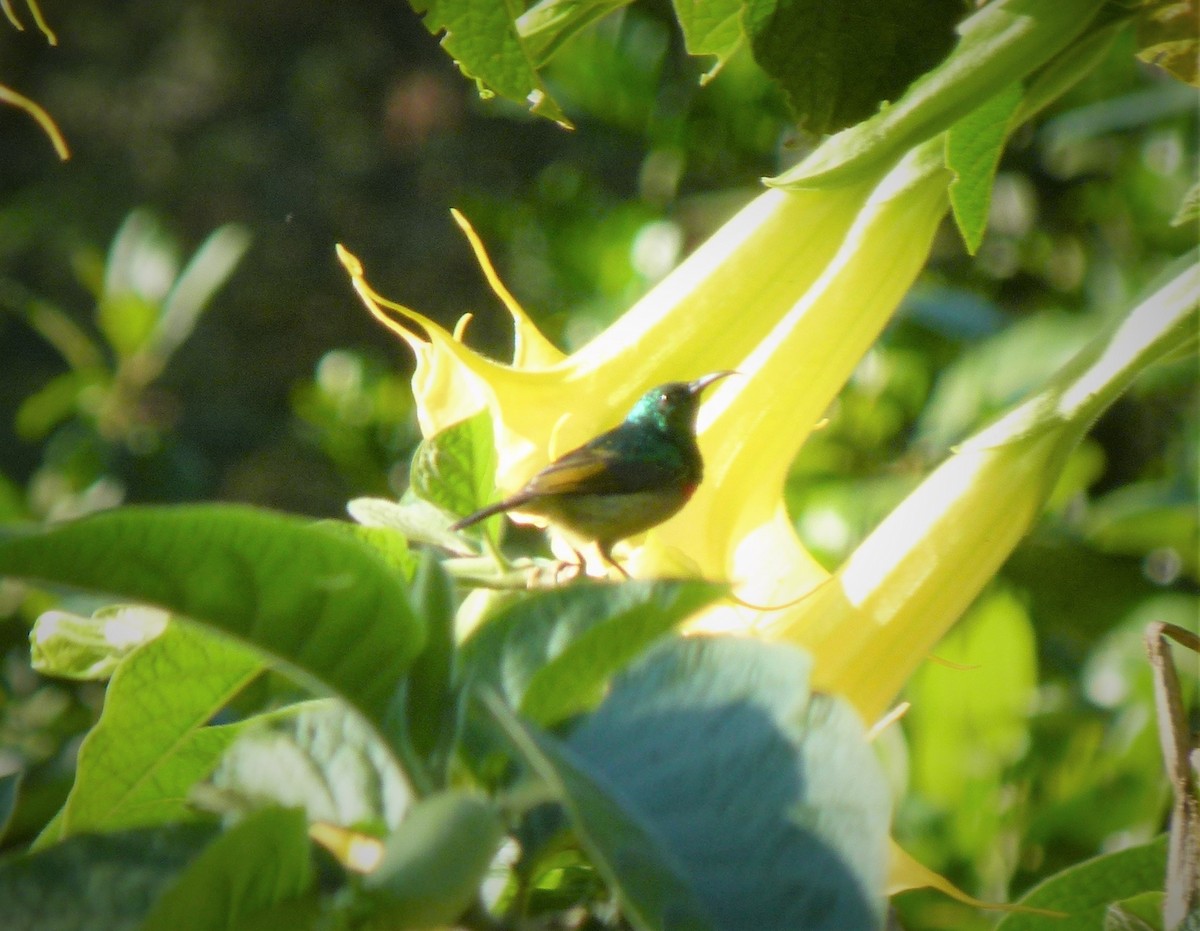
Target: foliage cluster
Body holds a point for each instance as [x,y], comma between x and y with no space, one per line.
[562,757]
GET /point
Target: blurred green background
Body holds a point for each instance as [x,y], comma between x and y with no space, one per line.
[174,327]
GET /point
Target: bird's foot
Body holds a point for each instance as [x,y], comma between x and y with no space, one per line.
[572,570]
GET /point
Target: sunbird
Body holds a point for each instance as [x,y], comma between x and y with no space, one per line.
[624,481]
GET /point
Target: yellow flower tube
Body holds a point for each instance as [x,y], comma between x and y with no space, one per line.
[708,314]
[878,617]
[791,292]
[751,429]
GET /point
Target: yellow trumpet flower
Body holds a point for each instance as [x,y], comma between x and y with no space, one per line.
[791,293]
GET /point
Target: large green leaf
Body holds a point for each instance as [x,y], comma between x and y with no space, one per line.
[1086,890]
[973,147]
[713,790]
[456,468]
[547,25]
[836,62]
[999,44]
[482,37]
[151,745]
[320,757]
[430,705]
[652,890]
[552,653]
[324,602]
[767,795]
[711,27]
[980,714]
[96,882]
[259,863]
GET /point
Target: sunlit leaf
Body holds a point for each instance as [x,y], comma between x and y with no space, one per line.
[321,758]
[152,742]
[325,603]
[973,148]
[546,26]
[1139,913]
[969,723]
[413,518]
[711,27]
[482,37]
[456,468]
[76,647]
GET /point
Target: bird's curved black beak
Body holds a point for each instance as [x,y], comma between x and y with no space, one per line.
[695,387]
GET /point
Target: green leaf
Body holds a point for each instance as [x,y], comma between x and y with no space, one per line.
[767,796]
[1070,66]
[205,272]
[482,37]
[390,545]
[323,602]
[57,400]
[711,27]
[151,744]
[9,784]
[96,882]
[322,758]
[258,863]
[838,61]
[143,259]
[456,468]
[653,893]
[434,862]
[999,44]
[546,26]
[89,648]
[552,653]
[429,698]
[1189,207]
[1140,913]
[127,320]
[1141,517]
[416,520]
[973,148]
[1085,891]
[978,713]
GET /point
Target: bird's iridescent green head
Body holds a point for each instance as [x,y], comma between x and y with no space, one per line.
[672,407]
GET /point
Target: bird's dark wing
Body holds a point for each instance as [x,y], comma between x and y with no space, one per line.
[610,464]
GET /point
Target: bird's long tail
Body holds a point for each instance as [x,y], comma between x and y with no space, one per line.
[484,513]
